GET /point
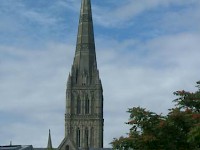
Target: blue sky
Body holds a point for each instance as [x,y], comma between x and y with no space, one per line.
[146,50]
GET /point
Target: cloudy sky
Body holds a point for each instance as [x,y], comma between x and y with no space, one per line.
[146,50]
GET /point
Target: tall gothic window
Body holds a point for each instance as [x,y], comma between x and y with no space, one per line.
[78,137]
[78,106]
[92,137]
[86,136]
[87,106]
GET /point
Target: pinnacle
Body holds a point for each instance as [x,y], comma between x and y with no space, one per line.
[49,145]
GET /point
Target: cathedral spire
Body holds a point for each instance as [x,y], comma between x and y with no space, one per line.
[85,56]
[49,145]
[84,94]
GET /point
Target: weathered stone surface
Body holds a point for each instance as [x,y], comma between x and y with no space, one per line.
[84,95]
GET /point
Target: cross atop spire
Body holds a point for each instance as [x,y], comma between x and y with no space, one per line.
[49,145]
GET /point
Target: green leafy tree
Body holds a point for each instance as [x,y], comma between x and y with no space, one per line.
[178,130]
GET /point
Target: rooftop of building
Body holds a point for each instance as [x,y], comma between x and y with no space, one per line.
[17,147]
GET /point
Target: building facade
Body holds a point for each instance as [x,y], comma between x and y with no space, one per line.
[84,95]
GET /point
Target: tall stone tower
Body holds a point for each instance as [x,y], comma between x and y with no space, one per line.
[84,95]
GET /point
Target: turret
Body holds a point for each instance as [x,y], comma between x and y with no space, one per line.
[49,144]
[69,81]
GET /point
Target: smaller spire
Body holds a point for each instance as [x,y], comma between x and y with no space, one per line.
[49,145]
[69,81]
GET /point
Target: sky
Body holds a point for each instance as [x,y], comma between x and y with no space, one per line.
[146,50]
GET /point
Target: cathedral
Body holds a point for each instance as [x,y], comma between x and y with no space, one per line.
[84,121]
[84,94]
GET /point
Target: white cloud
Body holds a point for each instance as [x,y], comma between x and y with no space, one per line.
[167,64]
[40,18]
[34,85]
[124,13]
[73,5]
[134,72]
[33,90]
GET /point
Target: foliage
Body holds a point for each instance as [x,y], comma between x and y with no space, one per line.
[178,130]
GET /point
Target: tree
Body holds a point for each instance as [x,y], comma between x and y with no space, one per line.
[178,130]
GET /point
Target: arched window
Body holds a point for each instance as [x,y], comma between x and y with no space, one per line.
[78,137]
[78,106]
[67,147]
[87,106]
[92,137]
[86,137]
